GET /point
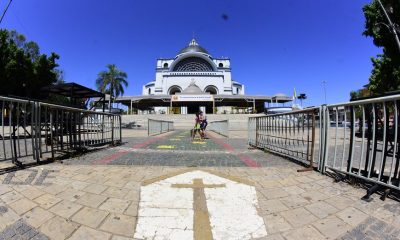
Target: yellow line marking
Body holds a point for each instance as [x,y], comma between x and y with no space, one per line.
[166,146]
[199,142]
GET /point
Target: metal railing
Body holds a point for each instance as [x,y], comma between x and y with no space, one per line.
[32,130]
[366,143]
[155,127]
[290,134]
[221,127]
[357,139]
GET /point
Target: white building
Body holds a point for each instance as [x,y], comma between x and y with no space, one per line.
[194,80]
[193,64]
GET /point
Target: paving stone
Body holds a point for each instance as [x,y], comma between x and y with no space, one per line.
[321,209]
[91,200]
[46,201]
[339,202]
[58,228]
[294,201]
[88,233]
[274,193]
[90,217]
[22,206]
[115,205]
[132,210]
[10,197]
[272,206]
[306,232]
[65,208]
[115,192]
[119,224]
[116,237]
[95,188]
[71,194]
[298,217]
[294,190]
[79,185]
[331,227]
[37,216]
[4,189]
[352,216]
[7,217]
[132,195]
[32,193]
[276,223]
[372,228]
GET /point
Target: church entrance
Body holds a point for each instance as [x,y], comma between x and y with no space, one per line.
[192,109]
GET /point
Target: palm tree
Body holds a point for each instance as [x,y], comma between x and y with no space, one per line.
[112,82]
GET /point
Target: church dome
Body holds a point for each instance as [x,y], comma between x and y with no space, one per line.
[193,47]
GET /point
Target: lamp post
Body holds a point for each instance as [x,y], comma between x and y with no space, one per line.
[324,84]
[391,26]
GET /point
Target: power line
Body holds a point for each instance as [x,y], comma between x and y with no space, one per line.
[4,13]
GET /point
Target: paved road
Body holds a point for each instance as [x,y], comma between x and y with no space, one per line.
[175,186]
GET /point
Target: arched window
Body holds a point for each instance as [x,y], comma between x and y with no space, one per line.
[211,89]
[220,65]
[149,91]
[165,65]
[174,89]
[193,64]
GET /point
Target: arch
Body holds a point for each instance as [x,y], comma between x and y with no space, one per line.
[174,89]
[193,62]
[220,65]
[211,89]
[165,65]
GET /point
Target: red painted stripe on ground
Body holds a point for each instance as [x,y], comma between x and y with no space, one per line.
[147,142]
[248,161]
[110,158]
[114,156]
[244,158]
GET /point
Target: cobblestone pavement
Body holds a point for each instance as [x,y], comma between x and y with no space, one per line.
[97,195]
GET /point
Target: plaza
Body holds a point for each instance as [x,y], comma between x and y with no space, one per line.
[103,195]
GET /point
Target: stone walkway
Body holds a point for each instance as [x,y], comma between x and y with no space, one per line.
[103,195]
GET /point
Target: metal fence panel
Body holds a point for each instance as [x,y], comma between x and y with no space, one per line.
[290,134]
[31,129]
[362,140]
[220,127]
[155,127]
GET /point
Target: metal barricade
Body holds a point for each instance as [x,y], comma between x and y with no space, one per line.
[291,134]
[221,127]
[33,129]
[361,140]
[155,127]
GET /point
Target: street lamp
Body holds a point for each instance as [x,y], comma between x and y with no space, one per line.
[324,84]
[391,25]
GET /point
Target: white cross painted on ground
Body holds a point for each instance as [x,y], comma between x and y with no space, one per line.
[189,204]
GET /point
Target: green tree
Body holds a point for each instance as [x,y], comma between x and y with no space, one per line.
[23,70]
[385,75]
[112,82]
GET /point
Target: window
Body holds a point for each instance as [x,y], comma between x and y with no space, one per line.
[193,64]
[211,89]
[220,65]
[174,89]
[165,65]
[149,91]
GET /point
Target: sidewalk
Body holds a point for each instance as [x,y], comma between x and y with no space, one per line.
[110,194]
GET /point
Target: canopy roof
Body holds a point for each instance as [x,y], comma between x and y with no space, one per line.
[72,90]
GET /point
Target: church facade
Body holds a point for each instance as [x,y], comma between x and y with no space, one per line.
[194,80]
[193,64]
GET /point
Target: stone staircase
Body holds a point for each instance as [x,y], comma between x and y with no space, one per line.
[237,122]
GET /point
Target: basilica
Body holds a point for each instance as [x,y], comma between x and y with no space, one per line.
[194,80]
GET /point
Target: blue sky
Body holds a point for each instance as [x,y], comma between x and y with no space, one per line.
[274,45]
